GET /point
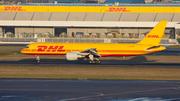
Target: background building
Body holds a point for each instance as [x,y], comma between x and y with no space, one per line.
[129,21]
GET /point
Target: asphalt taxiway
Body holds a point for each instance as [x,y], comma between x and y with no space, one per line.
[88,90]
[85,63]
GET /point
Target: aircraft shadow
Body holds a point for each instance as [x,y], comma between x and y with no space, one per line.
[136,59]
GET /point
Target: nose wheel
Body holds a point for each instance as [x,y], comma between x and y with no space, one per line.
[37,58]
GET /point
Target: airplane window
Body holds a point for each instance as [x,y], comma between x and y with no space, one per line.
[27,47]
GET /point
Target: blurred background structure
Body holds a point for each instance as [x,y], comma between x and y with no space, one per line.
[83,19]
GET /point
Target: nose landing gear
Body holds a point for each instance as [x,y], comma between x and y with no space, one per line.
[37,58]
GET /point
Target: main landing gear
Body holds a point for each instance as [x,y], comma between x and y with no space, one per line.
[94,60]
[37,58]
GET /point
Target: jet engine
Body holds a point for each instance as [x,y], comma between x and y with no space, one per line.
[73,56]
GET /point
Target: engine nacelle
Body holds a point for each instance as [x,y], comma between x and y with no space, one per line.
[73,56]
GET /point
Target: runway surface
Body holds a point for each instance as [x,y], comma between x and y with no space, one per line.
[85,63]
[88,90]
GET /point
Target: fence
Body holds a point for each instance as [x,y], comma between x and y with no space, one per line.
[18,40]
[82,40]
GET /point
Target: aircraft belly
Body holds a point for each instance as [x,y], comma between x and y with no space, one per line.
[121,52]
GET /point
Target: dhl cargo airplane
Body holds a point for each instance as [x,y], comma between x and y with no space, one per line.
[93,51]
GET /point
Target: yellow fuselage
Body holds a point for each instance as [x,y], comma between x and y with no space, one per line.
[104,49]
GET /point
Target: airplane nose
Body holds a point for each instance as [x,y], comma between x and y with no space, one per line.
[22,51]
[25,50]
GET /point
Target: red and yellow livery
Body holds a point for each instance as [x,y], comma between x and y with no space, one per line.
[93,51]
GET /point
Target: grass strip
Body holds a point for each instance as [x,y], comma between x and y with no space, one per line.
[90,72]
[173,47]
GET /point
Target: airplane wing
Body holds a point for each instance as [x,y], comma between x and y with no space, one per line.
[91,51]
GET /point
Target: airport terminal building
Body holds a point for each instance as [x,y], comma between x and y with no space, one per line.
[95,21]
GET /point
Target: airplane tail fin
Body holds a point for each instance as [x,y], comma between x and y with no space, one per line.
[154,36]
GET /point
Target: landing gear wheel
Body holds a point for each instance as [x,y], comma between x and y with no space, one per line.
[94,62]
[37,58]
[90,61]
[98,62]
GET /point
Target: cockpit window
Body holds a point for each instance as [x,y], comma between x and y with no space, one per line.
[26,47]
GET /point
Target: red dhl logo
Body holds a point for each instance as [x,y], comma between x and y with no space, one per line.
[50,49]
[114,9]
[8,8]
[153,36]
